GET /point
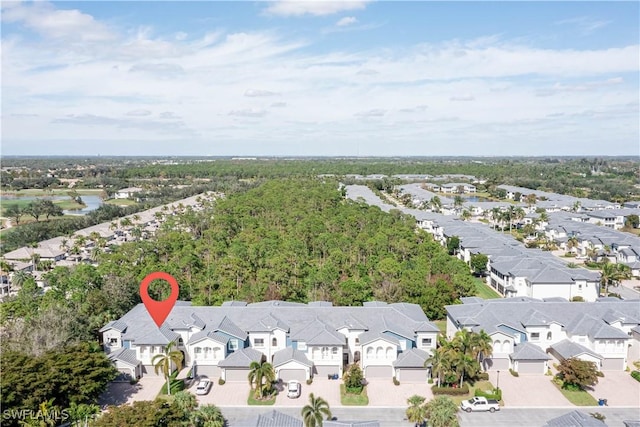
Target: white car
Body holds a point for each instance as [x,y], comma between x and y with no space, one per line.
[203,387]
[294,388]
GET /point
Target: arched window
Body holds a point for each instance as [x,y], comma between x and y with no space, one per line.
[549,336]
[357,341]
[314,352]
[369,352]
[506,346]
[216,352]
[274,342]
[389,352]
[379,353]
[497,346]
[325,352]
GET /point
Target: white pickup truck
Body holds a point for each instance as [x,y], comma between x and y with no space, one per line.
[479,403]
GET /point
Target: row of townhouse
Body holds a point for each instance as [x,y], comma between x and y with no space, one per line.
[69,251]
[555,201]
[583,238]
[300,340]
[529,334]
[513,270]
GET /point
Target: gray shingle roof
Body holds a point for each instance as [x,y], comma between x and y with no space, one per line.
[241,358]
[215,336]
[528,351]
[228,327]
[414,358]
[568,349]
[124,355]
[269,419]
[285,355]
[370,336]
[116,325]
[268,324]
[535,318]
[575,419]
[350,423]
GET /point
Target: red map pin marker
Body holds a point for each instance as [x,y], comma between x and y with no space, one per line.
[159,310]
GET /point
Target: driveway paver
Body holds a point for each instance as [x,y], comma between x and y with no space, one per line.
[619,388]
[147,388]
[382,392]
[329,390]
[533,390]
[232,393]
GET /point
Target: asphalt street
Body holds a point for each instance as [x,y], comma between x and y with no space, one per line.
[394,417]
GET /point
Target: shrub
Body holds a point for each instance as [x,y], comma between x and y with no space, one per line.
[310,381]
[495,394]
[483,376]
[430,381]
[221,381]
[395,381]
[514,373]
[353,379]
[577,298]
[600,374]
[636,375]
[549,373]
[133,381]
[452,391]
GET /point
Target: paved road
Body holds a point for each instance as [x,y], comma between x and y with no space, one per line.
[507,417]
[626,289]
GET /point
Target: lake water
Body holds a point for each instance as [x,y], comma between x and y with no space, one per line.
[92,202]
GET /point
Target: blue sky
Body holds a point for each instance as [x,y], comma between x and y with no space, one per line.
[351,78]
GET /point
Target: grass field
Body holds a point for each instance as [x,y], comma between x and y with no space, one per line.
[65,204]
[578,398]
[348,399]
[55,192]
[251,400]
[484,291]
[120,202]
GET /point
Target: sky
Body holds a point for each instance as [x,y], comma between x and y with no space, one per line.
[320,78]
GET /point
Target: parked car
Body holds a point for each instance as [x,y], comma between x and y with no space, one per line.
[480,403]
[203,387]
[294,389]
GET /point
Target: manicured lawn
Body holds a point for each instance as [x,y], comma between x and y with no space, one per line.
[484,291]
[54,192]
[251,400]
[349,399]
[442,325]
[120,202]
[578,398]
[176,385]
[482,385]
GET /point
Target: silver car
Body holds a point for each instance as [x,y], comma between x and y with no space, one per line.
[294,388]
[203,387]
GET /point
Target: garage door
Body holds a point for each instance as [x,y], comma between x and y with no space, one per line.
[493,364]
[413,375]
[236,375]
[378,372]
[324,370]
[530,367]
[292,374]
[613,365]
[206,371]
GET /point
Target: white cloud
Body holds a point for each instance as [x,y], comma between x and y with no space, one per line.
[372,113]
[248,112]
[138,113]
[585,24]
[255,93]
[314,7]
[278,105]
[462,98]
[347,20]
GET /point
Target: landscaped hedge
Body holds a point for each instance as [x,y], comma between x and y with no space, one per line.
[497,395]
[514,373]
[636,375]
[482,376]
[452,391]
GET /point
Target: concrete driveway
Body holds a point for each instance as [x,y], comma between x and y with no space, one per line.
[619,388]
[329,390]
[528,390]
[382,392]
[232,393]
[120,393]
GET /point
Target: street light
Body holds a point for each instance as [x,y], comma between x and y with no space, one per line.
[498,382]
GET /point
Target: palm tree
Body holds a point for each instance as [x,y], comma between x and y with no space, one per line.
[435,203]
[464,364]
[164,362]
[416,413]
[465,215]
[612,274]
[482,345]
[313,412]
[207,416]
[441,412]
[19,278]
[262,375]
[440,362]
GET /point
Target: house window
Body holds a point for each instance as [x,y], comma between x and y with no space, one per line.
[379,353]
[325,352]
[535,336]
[143,349]
[198,352]
[357,341]
[426,342]
[548,336]
[369,352]
[389,353]
[180,341]
[580,287]
[216,351]
[233,344]
[334,351]
[113,342]
[274,342]
[258,342]
[302,345]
